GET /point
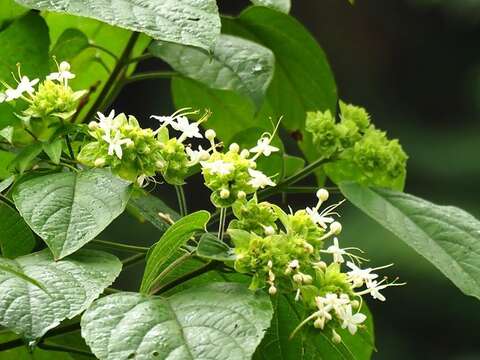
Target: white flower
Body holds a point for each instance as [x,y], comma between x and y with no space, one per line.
[351,321]
[165,120]
[318,218]
[196,156]
[335,302]
[115,143]
[218,167]
[359,276]
[259,179]
[26,85]
[189,130]
[3,97]
[336,251]
[63,74]
[374,288]
[106,123]
[264,147]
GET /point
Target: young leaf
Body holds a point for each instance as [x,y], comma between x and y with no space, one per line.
[190,22]
[72,285]
[16,238]
[210,247]
[217,321]
[234,64]
[5,184]
[279,5]
[10,10]
[148,206]
[26,157]
[445,235]
[67,210]
[7,133]
[6,159]
[176,236]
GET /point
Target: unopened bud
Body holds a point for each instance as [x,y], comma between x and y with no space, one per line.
[241,195]
[298,278]
[270,264]
[308,247]
[307,279]
[204,155]
[224,194]
[269,230]
[92,125]
[234,147]
[99,162]
[337,339]
[272,290]
[319,323]
[244,153]
[210,134]
[336,228]
[130,143]
[294,264]
[322,195]
[355,304]
[322,265]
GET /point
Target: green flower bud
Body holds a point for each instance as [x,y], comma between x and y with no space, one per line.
[326,135]
[356,114]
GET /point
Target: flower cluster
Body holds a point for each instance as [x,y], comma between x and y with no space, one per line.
[232,175]
[53,102]
[287,253]
[357,149]
[138,154]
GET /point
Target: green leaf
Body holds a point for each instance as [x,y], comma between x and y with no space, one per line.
[7,133]
[168,245]
[5,184]
[447,236]
[210,247]
[6,159]
[276,343]
[292,164]
[72,285]
[54,150]
[234,64]
[303,80]
[147,206]
[16,239]
[279,5]
[237,108]
[190,22]
[10,10]
[67,210]
[217,321]
[70,43]
[26,157]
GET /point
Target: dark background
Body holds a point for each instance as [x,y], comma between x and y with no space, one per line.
[415,65]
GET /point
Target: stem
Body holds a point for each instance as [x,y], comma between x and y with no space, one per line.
[149,76]
[114,75]
[62,348]
[168,269]
[188,276]
[307,189]
[105,50]
[121,247]
[182,202]
[69,147]
[140,58]
[132,260]
[221,223]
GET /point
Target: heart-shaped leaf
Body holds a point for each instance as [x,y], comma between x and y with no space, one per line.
[190,22]
[71,286]
[218,321]
[69,209]
[445,235]
[235,64]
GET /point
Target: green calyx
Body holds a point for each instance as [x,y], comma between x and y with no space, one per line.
[254,217]
[358,151]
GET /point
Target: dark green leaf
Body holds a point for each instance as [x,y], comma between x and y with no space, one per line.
[292,164]
[10,10]
[190,22]
[5,184]
[167,247]
[54,150]
[7,133]
[234,64]
[147,206]
[445,235]
[26,157]
[210,247]
[67,210]
[70,43]
[217,321]
[16,239]
[6,159]
[72,285]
